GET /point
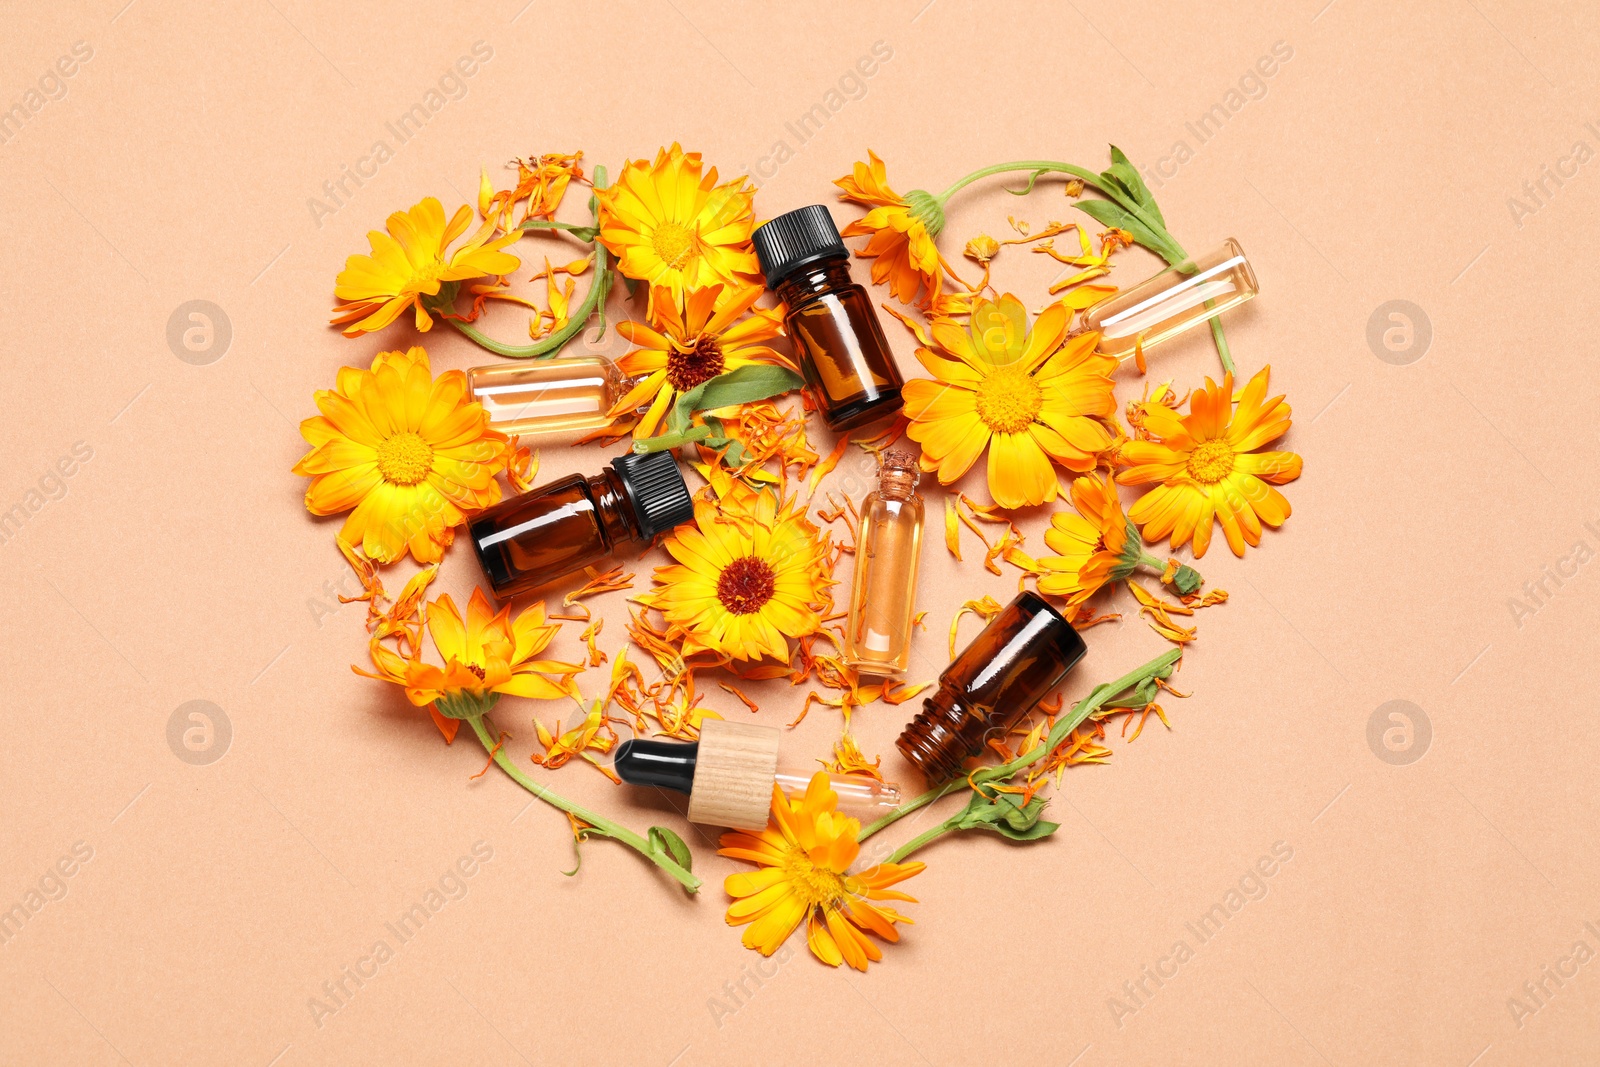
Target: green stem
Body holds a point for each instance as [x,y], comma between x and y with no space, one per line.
[921,839]
[1222,342]
[601,825]
[1064,726]
[594,302]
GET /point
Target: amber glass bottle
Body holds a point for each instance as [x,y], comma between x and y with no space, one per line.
[532,540]
[883,598]
[830,319]
[1013,664]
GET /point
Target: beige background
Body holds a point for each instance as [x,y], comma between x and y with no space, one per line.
[179,565]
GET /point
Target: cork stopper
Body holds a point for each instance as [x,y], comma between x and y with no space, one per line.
[733,774]
[898,474]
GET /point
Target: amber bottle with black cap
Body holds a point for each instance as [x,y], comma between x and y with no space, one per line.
[830,318]
[530,541]
[1013,664]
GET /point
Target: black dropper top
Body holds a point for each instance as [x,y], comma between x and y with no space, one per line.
[668,764]
[656,490]
[796,239]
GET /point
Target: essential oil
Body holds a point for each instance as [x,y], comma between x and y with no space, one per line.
[1013,664]
[530,541]
[836,333]
[548,401]
[1173,301]
[729,773]
[888,543]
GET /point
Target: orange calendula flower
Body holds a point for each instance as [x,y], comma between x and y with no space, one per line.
[409,453]
[751,573]
[671,225]
[901,228]
[702,336]
[410,268]
[1094,545]
[487,655]
[1206,467]
[1028,396]
[803,856]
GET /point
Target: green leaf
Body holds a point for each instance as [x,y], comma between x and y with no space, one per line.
[1033,833]
[747,384]
[1128,174]
[665,841]
[1109,214]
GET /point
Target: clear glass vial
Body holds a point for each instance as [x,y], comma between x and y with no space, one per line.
[533,540]
[729,773]
[1173,301]
[888,544]
[830,319]
[1013,664]
[548,401]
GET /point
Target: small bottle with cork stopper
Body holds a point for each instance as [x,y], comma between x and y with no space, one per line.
[888,544]
[836,333]
[531,541]
[1013,664]
[729,773]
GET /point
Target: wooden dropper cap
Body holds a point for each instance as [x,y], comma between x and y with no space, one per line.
[733,774]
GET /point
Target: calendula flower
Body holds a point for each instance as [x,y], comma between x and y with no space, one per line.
[693,339]
[1207,468]
[901,228]
[1098,545]
[1028,396]
[751,572]
[1094,545]
[410,454]
[671,225]
[803,856]
[486,656]
[982,249]
[410,268]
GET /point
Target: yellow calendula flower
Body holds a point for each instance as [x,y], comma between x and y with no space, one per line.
[1028,396]
[409,266]
[486,655]
[901,228]
[1094,545]
[670,224]
[1206,468]
[408,455]
[690,340]
[803,856]
[751,573]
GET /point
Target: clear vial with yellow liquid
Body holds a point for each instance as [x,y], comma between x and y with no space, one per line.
[1173,301]
[548,401]
[883,598]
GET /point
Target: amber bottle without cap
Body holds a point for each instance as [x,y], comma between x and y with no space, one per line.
[836,333]
[884,595]
[532,540]
[729,773]
[1013,664]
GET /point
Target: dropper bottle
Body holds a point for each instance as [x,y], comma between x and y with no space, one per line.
[729,773]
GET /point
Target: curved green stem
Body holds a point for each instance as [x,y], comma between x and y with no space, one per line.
[600,824]
[594,302]
[1036,166]
[1161,666]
